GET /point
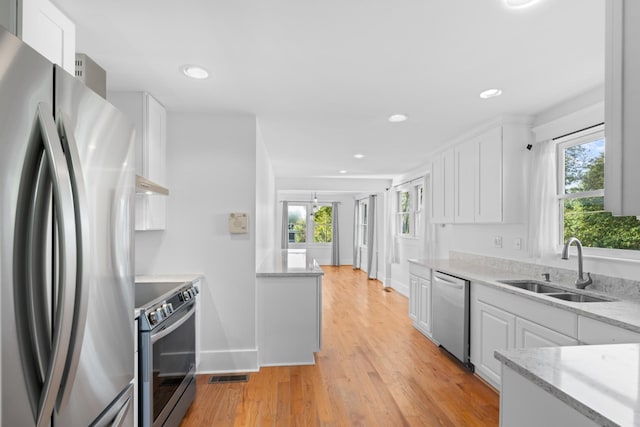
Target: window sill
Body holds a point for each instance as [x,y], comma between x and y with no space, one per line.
[614,255]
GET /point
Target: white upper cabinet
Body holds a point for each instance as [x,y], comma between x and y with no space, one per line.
[46,29]
[489,178]
[464,190]
[622,107]
[442,187]
[150,120]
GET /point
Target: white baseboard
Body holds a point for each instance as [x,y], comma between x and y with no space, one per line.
[401,288]
[215,362]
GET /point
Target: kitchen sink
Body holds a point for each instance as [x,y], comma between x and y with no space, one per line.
[532,285]
[578,298]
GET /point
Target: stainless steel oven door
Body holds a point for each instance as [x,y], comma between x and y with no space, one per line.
[167,366]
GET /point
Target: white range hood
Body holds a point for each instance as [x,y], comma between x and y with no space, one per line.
[143,185]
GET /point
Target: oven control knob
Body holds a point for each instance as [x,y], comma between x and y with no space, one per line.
[167,309]
[187,295]
[160,314]
[191,293]
[152,318]
[196,290]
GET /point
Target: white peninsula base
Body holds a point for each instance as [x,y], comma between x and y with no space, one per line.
[289,296]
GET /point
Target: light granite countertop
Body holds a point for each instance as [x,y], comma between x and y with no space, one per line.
[619,312]
[289,263]
[600,381]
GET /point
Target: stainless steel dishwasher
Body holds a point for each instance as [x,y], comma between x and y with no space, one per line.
[451,315]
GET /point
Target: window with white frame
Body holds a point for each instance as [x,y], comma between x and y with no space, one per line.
[581,197]
[404,213]
[310,224]
[364,215]
[409,210]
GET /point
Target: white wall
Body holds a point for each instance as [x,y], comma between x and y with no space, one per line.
[265,201]
[211,172]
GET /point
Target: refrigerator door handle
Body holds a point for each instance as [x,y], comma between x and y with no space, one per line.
[83,247]
[64,217]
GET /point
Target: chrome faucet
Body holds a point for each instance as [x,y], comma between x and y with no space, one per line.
[581,283]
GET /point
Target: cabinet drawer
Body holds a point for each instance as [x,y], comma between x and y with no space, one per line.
[554,318]
[591,331]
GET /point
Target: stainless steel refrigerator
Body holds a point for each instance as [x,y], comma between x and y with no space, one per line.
[66,239]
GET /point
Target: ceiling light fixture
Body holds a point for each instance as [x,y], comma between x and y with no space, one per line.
[397,118]
[490,93]
[358,156]
[517,4]
[195,72]
[343,171]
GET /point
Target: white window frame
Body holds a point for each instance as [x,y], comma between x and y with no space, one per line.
[310,225]
[561,144]
[363,222]
[415,211]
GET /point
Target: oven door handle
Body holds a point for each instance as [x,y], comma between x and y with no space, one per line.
[164,332]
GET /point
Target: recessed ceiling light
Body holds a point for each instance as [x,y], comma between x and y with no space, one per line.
[490,93]
[343,171]
[516,4]
[397,118]
[358,156]
[195,72]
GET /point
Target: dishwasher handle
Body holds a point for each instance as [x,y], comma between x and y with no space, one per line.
[451,283]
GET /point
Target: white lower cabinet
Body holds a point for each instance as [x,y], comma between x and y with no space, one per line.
[502,320]
[420,298]
[591,331]
[413,297]
[424,306]
[491,329]
[529,335]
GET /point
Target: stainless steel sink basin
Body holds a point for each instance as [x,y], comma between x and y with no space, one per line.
[533,286]
[578,298]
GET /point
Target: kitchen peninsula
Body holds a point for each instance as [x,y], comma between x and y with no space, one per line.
[289,305]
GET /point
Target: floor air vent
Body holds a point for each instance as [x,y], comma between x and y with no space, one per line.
[216,379]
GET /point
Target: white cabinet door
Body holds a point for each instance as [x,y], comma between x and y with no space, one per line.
[622,107]
[413,297]
[495,330]
[424,306]
[46,29]
[591,331]
[464,189]
[150,120]
[155,144]
[529,335]
[488,176]
[442,188]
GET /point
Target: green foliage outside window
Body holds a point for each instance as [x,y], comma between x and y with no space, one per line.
[585,217]
[322,229]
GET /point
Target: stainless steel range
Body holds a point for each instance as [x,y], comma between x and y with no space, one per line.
[167,356]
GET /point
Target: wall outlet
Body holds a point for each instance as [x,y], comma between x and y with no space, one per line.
[497,242]
[517,243]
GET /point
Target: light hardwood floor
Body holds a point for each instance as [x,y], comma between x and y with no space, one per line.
[374,369]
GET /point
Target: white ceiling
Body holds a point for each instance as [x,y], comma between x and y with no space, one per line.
[323,76]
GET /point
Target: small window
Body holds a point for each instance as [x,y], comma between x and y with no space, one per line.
[322,225]
[581,189]
[297,224]
[364,206]
[404,213]
[309,223]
